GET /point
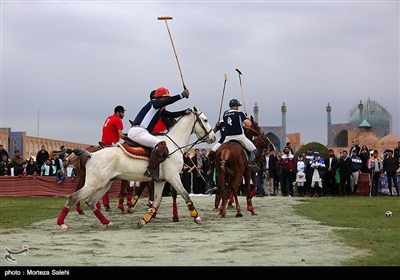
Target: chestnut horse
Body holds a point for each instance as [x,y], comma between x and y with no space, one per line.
[231,166]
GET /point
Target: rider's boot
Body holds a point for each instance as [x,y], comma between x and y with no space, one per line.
[251,162]
[154,159]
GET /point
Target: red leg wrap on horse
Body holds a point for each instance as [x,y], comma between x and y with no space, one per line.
[231,198]
[62,215]
[129,200]
[106,199]
[101,217]
[121,207]
[120,199]
[253,193]
[78,207]
[98,206]
[174,208]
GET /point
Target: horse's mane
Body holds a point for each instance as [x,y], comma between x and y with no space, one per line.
[257,134]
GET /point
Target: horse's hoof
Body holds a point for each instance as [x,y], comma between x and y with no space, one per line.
[175,219]
[81,212]
[254,213]
[197,220]
[239,215]
[110,224]
[130,210]
[64,227]
[141,223]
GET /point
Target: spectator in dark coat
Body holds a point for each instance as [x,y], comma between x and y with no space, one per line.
[345,168]
[42,156]
[332,165]
[31,168]
[390,165]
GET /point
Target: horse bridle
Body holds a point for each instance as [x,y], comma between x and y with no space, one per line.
[199,140]
[259,134]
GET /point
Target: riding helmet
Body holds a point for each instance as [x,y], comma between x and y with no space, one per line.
[152,94]
[161,92]
[234,102]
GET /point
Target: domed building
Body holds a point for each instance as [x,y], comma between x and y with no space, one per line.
[389,140]
[369,123]
[375,114]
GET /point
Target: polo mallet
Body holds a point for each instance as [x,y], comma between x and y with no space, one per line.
[165,18]
[241,89]
[222,98]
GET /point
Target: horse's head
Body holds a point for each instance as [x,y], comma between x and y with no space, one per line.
[256,134]
[254,130]
[202,127]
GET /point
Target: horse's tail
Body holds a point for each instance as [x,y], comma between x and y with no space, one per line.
[78,158]
[224,156]
[81,152]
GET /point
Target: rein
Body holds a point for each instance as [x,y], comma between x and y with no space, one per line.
[199,140]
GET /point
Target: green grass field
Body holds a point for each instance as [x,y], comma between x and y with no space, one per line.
[360,221]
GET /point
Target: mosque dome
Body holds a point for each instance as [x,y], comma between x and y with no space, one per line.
[375,114]
[367,138]
[389,141]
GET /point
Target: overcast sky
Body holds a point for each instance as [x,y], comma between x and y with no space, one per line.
[65,65]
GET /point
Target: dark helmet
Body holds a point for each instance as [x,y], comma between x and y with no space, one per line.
[152,94]
[161,92]
[119,108]
[234,102]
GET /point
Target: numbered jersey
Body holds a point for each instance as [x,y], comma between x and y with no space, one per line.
[233,122]
[111,126]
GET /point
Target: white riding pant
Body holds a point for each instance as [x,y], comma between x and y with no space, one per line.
[243,140]
[354,179]
[143,136]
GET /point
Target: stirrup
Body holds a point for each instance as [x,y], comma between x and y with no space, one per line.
[253,166]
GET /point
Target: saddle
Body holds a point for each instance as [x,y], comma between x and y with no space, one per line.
[134,149]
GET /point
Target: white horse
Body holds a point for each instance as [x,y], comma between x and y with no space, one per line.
[112,163]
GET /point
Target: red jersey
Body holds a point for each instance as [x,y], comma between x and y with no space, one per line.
[111,126]
[160,126]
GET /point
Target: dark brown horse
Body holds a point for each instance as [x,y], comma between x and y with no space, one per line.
[231,166]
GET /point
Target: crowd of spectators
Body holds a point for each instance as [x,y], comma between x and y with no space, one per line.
[333,175]
[306,174]
[43,165]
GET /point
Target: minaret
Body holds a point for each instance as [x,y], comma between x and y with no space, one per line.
[255,110]
[329,122]
[283,136]
[361,109]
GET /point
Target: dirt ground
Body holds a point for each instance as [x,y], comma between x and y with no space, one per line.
[274,237]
